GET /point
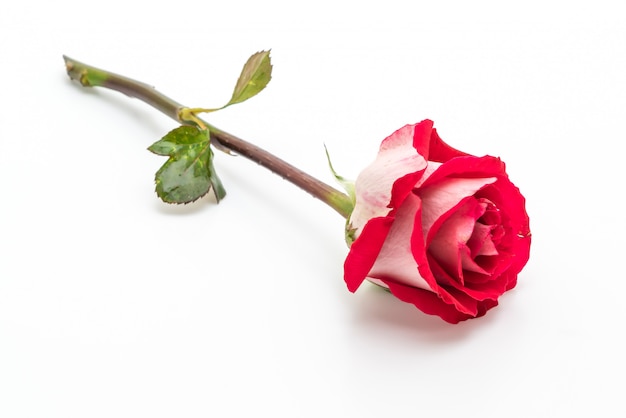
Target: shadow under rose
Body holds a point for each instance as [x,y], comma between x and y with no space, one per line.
[378,310]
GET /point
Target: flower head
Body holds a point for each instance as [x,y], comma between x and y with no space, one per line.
[441,229]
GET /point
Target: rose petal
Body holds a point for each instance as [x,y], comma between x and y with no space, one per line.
[468,167]
[492,213]
[385,178]
[449,244]
[480,242]
[428,302]
[465,300]
[510,203]
[438,200]
[441,152]
[495,266]
[430,169]
[468,263]
[396,260]
[515,236]
[520,254]
[364,250]
[464,306]
[448,289]
[429,268]
[491,289]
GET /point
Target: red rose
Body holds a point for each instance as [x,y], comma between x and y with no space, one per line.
[441,229]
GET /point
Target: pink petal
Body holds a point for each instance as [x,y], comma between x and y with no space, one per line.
[448,244]
[444,196]
[396,260]
[468,263]
[429,268]
[386,177]
[480,242]
[430,169]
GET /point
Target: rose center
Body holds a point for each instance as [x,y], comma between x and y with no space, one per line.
[468,241]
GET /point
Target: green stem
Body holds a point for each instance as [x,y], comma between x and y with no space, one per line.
[89,76]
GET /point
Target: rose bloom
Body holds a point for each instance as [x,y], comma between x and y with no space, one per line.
[441,229]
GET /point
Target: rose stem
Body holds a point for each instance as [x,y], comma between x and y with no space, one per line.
[89,76]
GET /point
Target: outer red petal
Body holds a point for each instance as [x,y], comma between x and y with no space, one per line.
[441,152]
[402,187]
[428,302]
[364,251]
[510,201]
[467,167]
[507,197]
[521,253]
[422,137]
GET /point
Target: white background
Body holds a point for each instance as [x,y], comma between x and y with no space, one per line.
[113,304]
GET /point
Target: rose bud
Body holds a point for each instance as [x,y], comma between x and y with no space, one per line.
[441,229]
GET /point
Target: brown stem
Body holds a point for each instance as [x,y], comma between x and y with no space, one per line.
[89,76]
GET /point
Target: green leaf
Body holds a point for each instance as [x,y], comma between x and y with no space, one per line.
[189,173]
[255,75]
